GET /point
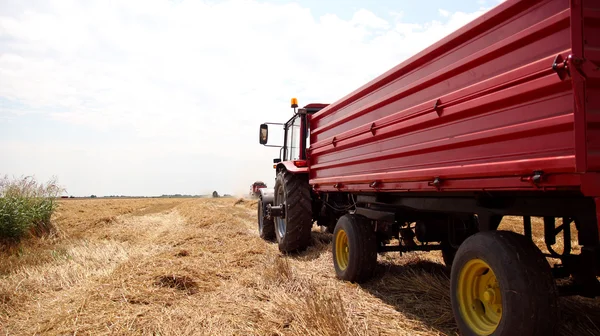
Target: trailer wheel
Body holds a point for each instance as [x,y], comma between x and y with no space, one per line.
[293,228]
[266,226]
[354,249]
[501,284]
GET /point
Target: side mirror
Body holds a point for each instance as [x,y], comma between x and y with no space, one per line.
[264,134]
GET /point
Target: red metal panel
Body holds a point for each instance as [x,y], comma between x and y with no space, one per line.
[481,109]
[578,87]
[566,181]
[590,45]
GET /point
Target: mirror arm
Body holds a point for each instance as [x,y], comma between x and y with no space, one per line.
[271,146]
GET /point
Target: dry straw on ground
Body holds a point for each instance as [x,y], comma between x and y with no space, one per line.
[198,267]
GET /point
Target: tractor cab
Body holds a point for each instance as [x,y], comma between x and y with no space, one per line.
[285,211]
[296,134]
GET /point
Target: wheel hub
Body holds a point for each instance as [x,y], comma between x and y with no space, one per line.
[342,250]
[276,210]
[489,296]
[479,297]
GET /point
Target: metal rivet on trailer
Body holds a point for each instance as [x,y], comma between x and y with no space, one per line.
[372,128]
[374,184]
[334,141]
[535,179]
[337,185]
[437,107]
[437,183]
[537,176]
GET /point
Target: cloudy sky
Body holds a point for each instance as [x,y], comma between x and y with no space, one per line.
[151,97]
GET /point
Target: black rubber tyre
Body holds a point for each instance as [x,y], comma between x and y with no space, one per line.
[266,226]
[528,296]
[354,249]
[293,229]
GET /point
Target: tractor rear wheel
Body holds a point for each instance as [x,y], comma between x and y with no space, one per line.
[501,284]
[266,226]
[354,249]
[293,228]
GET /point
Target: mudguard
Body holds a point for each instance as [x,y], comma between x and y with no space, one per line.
[289,165]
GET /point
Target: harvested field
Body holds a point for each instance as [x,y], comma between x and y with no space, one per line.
[198,267]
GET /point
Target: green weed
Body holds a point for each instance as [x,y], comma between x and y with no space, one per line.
[26,208]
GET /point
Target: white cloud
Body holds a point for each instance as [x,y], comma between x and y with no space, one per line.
[197,76]
[366,19]
[444,12]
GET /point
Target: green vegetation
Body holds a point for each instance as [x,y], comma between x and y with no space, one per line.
[26,207]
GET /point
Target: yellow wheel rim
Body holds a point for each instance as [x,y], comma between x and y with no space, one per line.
[342,250]
[479,297]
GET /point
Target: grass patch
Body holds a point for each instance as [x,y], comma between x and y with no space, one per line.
[26,208]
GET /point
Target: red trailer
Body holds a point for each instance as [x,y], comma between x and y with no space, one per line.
[502,117]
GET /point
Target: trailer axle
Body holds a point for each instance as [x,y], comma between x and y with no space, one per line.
[400,248]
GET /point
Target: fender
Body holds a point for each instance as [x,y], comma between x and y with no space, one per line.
[289,166]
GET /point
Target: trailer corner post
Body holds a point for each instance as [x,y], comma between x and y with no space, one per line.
[597,202]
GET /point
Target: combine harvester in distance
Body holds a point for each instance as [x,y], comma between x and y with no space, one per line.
[255,188]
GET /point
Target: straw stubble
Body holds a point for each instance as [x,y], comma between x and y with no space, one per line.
[198,267]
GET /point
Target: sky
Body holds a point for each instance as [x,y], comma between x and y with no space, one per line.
[152,97]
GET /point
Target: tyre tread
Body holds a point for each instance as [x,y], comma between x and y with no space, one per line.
[527,274]
[266,230]
[298,211]
[361,265]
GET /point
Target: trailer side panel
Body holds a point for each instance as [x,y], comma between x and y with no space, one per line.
[483,108]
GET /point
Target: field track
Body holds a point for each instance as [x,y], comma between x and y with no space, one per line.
[198,267]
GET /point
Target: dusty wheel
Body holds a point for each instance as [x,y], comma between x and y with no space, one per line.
[293,228]
[501,284]
[266,226]
[354,249]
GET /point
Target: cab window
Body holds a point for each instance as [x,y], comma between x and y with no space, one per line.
[293,140]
